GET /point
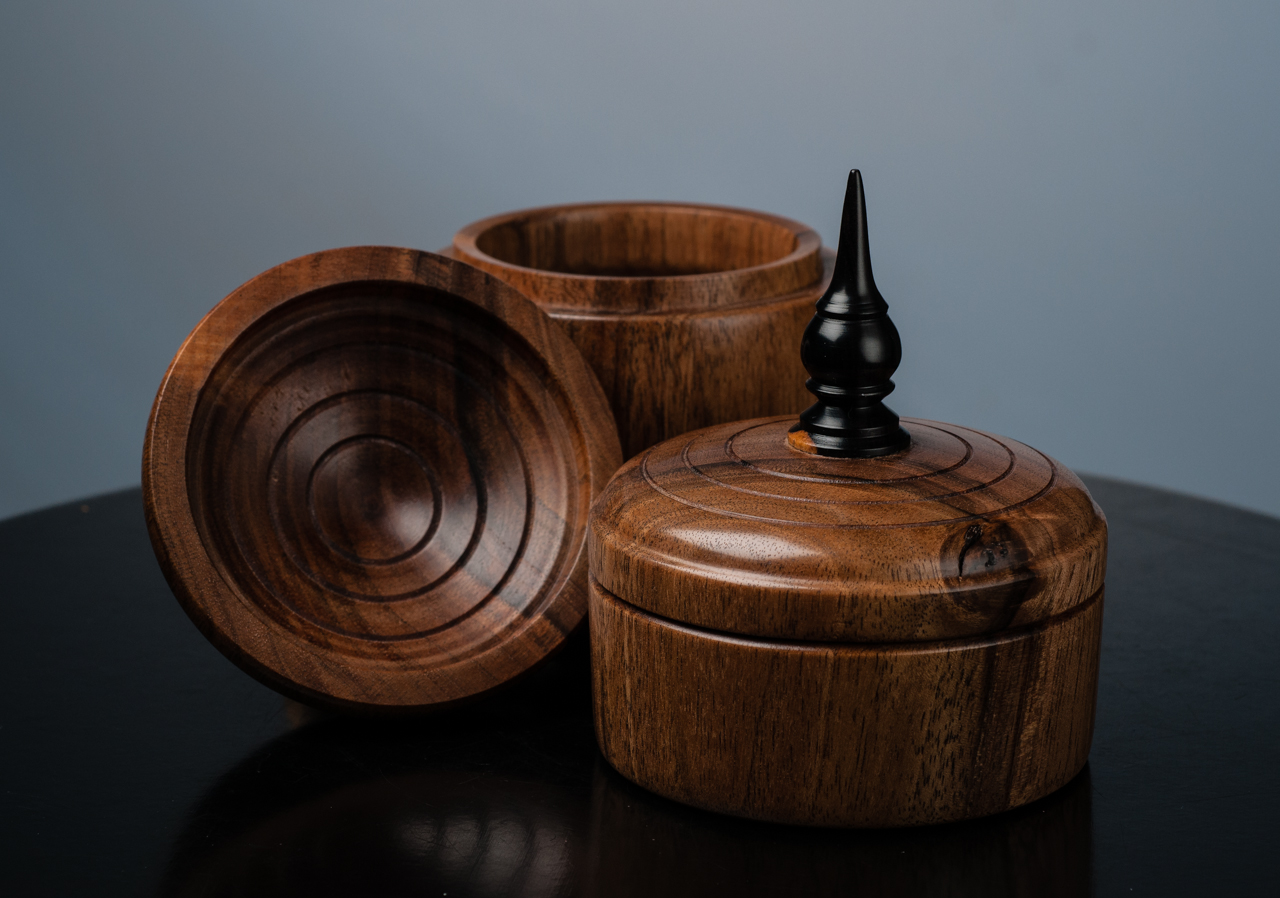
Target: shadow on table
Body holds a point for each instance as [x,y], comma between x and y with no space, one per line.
[510,797]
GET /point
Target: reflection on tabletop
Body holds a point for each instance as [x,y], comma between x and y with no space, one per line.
[510,797]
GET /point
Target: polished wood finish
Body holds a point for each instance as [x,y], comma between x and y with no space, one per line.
[963,534]
[367,478]
[885,641]
[677,308]
[841,734]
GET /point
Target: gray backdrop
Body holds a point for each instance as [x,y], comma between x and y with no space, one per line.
[1075,211]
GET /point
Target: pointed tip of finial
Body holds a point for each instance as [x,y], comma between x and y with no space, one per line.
[853,254]
[851,349]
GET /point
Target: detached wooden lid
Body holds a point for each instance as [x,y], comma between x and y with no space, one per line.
[367,477]
[849,525]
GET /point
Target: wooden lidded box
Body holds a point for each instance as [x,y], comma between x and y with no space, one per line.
[676,307]
[848,620]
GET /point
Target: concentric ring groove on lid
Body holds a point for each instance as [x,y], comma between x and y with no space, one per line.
[962,534]
[368,475]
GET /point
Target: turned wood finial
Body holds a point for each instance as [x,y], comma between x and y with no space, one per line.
[850,350]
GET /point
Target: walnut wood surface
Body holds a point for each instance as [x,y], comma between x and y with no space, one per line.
[902,639]
[677,308]
[964,533]
[367,477]
[844,734]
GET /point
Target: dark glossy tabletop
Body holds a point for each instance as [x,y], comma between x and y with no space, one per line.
[136,760]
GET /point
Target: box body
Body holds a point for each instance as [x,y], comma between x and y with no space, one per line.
[896,641]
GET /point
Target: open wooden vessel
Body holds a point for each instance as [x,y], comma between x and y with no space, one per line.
[678,308]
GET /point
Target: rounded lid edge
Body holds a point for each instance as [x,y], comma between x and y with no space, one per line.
[963,534]
[385,674]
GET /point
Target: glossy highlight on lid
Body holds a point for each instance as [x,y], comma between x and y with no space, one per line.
[962,534]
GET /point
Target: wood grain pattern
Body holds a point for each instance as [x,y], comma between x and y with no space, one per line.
[963,534]
[367,476]
[884,641]
[844,734]
[677,308]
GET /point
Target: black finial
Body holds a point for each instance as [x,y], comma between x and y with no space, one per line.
[850,350]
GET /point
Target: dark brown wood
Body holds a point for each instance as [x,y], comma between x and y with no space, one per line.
[885,641]
[677,308]
[963,534]
[840,734]
[367,477]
